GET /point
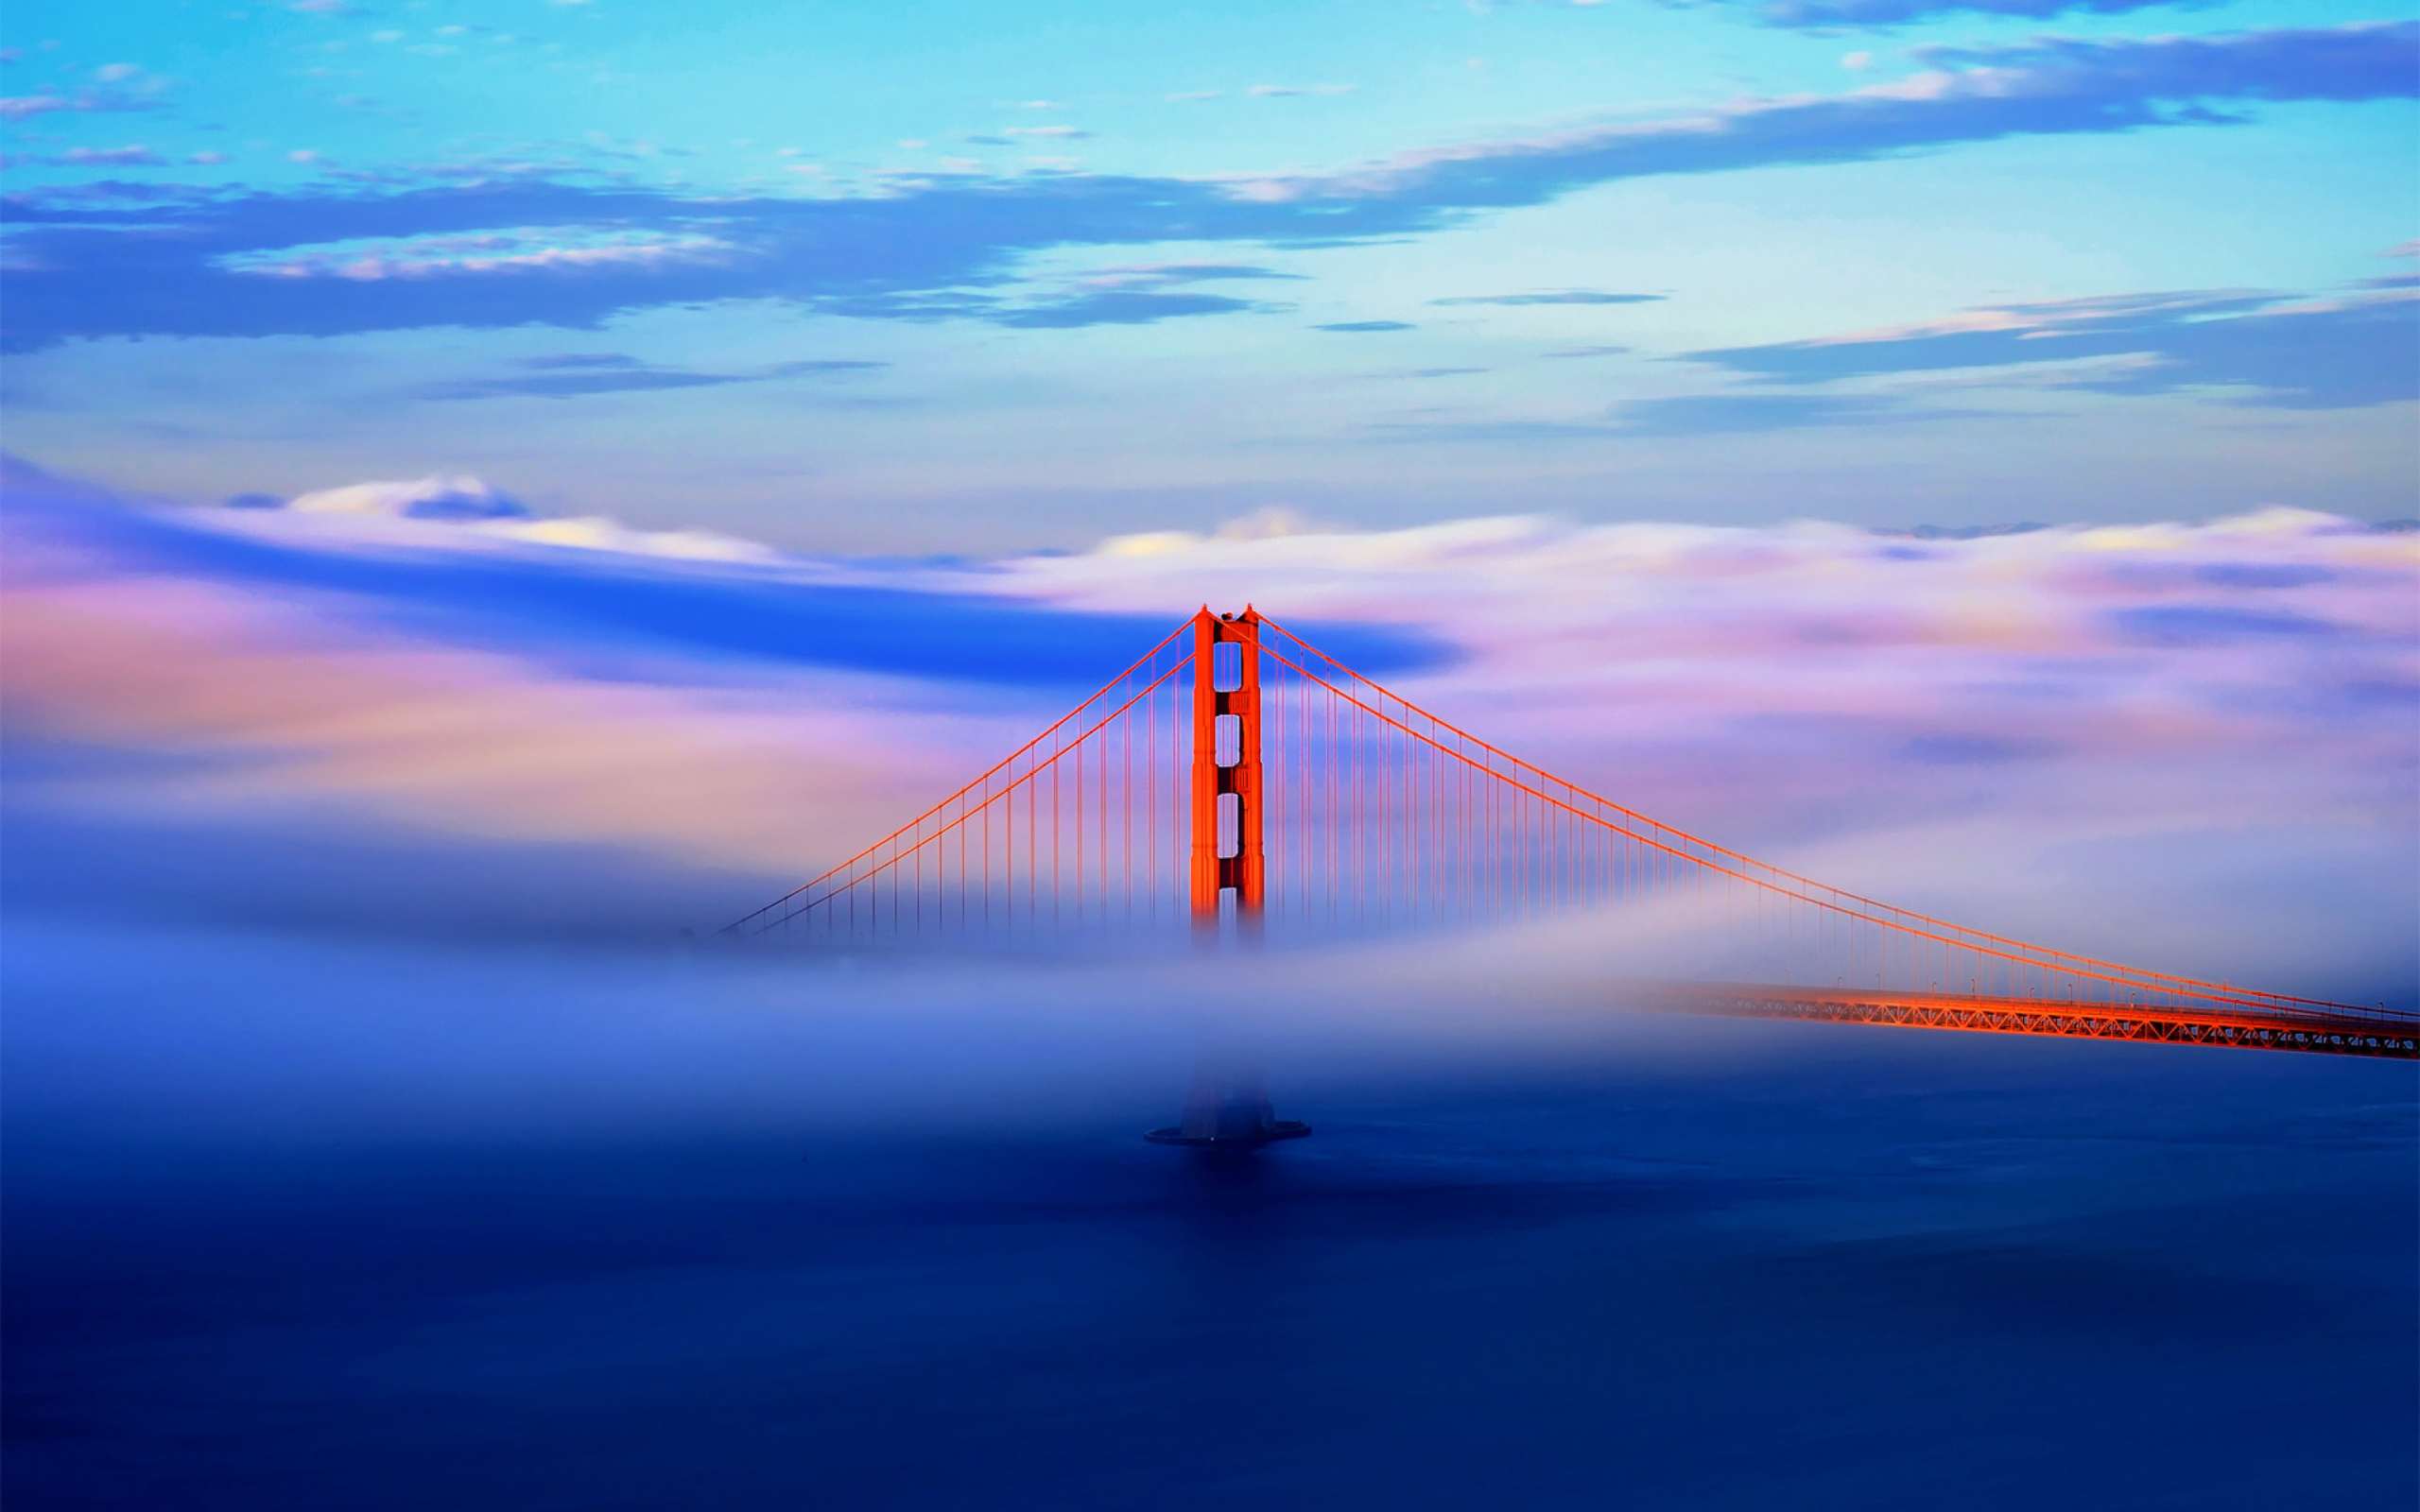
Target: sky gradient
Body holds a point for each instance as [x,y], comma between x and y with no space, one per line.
[864,280]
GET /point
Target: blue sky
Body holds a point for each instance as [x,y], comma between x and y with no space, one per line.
[944,280]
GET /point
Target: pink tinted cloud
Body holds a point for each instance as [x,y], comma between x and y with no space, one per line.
[2215,633]
[301,708]
[2159,743]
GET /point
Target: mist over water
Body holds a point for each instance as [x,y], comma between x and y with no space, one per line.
[300,1221]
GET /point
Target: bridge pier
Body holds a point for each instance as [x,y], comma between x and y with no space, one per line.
[1229,1109]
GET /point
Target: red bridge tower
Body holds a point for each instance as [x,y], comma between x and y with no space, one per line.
[1228,791]
[1229,1107]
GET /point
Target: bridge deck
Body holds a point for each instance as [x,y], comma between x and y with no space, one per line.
[2356,1033]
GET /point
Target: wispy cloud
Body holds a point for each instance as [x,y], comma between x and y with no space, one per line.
[1566,297]
[1059,311]
[1161,275]
[2052,86]
[574,376]
[1740,414]
[127,157]
[1828,15]
[515,249]
[26,107]
[2290,353]
[1114,307]
[456,498]
[194,266]
[136,156]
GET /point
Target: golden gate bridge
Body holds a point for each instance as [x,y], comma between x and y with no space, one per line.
[1237,783]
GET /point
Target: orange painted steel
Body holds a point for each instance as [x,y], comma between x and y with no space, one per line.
[2323,1034]
[1244,871]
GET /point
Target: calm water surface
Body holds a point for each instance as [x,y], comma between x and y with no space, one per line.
[1857,1268]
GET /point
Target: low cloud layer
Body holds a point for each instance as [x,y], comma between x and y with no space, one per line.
[2213,720]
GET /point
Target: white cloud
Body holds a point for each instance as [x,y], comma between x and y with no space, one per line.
[598,533]
[506,249]
[44,102]
[459,496]
[470,509]
[122,157]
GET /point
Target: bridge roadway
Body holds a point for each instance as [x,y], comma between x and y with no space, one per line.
[2350,1032]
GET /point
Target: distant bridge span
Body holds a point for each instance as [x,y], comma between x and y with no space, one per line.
[1235,783]
[2356,1033]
